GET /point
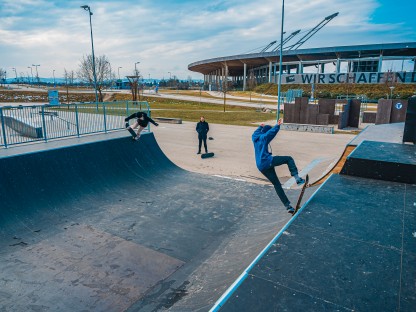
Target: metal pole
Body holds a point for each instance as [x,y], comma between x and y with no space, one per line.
[118,70]
[76,119]
[93,59]
[280,62]
[37,74]
[3,128]
[31,73]
[87,8]
[44,124]
[105,119]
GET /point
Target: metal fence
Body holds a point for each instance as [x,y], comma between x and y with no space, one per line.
[24,124]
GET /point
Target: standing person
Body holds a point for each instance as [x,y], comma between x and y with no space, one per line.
[142,120]
[202,128]
[266,162]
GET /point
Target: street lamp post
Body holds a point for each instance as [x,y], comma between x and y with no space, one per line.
[280,61]
[53,73]
[31,72]
[87,8]
[37,74]
[118,70]
[135,68]
[17,81]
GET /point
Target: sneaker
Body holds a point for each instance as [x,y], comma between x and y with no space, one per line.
[290,209]
[198,152]
[137,138]
[300,181]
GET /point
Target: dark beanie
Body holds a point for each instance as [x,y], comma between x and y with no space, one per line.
[266,128]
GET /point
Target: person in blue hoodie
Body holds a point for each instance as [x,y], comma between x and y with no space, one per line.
[266,162]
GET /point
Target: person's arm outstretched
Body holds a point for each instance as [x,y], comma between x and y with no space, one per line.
[152,121]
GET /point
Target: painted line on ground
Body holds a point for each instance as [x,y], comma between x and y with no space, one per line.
[229,178]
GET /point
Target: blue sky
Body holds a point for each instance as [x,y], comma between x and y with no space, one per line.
[166,36]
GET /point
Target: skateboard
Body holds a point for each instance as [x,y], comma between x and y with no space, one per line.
[305,185]
[206,155]
[133,134]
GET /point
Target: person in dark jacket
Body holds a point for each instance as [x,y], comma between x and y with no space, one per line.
[142,120]
[202,128]
[266,162]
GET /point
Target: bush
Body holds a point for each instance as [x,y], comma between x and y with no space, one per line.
[372,91]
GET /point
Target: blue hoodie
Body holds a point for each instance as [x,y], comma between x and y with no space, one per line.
[261,139]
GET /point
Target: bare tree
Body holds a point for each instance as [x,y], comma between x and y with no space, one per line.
[2,76]
[134,85]
[69,81]
[225,83]
[104,73]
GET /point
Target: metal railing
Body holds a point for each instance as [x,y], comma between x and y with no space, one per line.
[40,123]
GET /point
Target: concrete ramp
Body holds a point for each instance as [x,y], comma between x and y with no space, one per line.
[351,247]
[105,223]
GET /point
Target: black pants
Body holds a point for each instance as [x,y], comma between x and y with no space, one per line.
[270,174]
[202,138]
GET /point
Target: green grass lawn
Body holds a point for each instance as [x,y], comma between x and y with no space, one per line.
[230,117]
[185,110]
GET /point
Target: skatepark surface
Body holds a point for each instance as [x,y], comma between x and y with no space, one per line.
[313,153]
[351,247]
[105,223]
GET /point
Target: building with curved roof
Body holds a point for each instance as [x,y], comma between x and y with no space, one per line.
[357,63]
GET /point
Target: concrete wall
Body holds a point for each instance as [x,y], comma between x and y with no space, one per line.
[23,128]
[308,128]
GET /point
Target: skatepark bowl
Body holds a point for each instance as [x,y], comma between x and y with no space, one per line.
[105,223]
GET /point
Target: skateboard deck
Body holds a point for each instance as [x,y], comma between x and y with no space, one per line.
[133,134]
[206,155]
[302,192]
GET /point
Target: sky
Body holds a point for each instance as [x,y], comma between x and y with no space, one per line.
[166,36]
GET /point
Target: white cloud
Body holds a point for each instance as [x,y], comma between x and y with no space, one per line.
[168,35]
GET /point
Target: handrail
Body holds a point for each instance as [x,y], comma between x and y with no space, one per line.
[87,118]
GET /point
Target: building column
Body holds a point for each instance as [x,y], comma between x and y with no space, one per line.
[380,63]
[275,73]
[322,68]
[245,77]
[222,73]
[270,72]
[338,65]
